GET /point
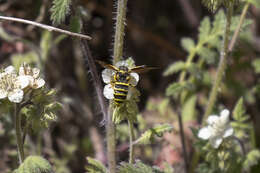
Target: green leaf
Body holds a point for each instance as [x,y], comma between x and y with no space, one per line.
[188,109]
[149,135]
[240,125]
[204,29]
[59,10]
[239,111]
[252,159]
[174,68]
[256,65]
[138,167]
[175,88]
[188,44]
[34,164]
[95,166]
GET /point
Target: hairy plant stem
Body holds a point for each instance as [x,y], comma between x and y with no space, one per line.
[222,64]
[117,56]
[120,30]
[111,141]
[131,139]
[18,133]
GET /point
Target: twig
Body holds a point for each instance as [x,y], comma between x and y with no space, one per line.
[47,27]
[40,16]
[236,34]
[96,79]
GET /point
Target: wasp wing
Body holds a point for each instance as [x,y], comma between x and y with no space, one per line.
[105,65]
[142,69]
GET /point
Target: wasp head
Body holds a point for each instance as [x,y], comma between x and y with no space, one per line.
[123,74]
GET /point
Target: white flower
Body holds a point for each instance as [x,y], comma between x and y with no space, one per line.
[32,75]
[218,128]
[11,85]
[108,78]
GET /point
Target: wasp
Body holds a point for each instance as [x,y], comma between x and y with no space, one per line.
[120,79]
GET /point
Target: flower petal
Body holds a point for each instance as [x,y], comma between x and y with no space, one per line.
[134,79]
[121,63]
[3,94]
[108,91]
[16,95]
[23,81]
[204,133]
[35,73]
[212,119]
[10,70]
[38,83]
[107,75]
[21,71]
[215,142]
[224,115]
[228,132]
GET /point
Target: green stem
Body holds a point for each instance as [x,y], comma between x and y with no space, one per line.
[111,142]
[117,56]
[189,60]
[120,30]
[221,66]
[18,133]
[131,139]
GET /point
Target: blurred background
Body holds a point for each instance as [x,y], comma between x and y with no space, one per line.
[153,37]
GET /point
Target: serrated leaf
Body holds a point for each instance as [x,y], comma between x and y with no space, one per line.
[252,159]
[175,88]
[95,166]
[239,111]
[138,167]
[188,44]
[174,68]
[59,10]
[34,164]
[188,109]
[158,130]
[204,29]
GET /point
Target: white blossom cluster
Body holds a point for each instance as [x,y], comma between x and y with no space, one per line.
[13,85]
[218,128]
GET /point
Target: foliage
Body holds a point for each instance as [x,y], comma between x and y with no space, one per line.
[140,167]
[59,10]
[213,5]
[94,166]
[149,135]
[34,164]
[240,124]
[41,110]
[252,159]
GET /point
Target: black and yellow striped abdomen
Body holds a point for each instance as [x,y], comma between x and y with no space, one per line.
[120,92]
